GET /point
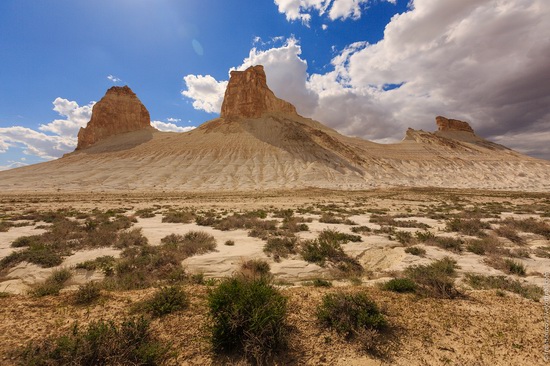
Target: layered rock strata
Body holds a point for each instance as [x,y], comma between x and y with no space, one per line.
[248,96]
[119,111]
[445,124]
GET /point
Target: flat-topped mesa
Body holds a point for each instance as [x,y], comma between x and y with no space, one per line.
[248,96]
[445,124]
[119,111]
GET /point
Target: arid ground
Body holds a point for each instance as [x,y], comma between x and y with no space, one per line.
[490,312]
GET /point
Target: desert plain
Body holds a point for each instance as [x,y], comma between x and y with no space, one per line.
[494,313]
[264,237]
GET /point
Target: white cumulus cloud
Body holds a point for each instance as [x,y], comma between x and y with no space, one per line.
[62,132]
[36,143]
[206,92]
[286,76]
[114,79]
[335,9]
[486,62]
[170,127]
[75,117]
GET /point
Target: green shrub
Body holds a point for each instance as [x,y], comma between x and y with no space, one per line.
[361,229]
[319,282]
[146,213]
[330,218]
[284,214]
[294,224]
[255,268]
[105,263]
[142,267]
[87,293]
[415,251]
[509,233]
[506,265]
[40,254]
[248,317]
[528,291]
[514,267]
[322,251]
[65,236]
[25,241]
[53,284]
[447,243]
[178,217]
[388,220]
[404,237]
[165,300]
[246,221]
[334,235]
[435,279]
[486,245]
[350,314]
[5,226]
[100,343]
[473,227]
[318,252]
[192,243]
[424,236]
[280,247]
[529,225]
[206,220]
[229,243]
[261,214]
[133,237]
[400,285]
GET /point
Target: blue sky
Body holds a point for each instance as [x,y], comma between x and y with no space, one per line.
[367,68]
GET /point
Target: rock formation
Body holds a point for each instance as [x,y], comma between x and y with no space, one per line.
[444,124]
[248,96]
[261,143]
[119,111]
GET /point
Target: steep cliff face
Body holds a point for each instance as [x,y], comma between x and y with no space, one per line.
[248,96]
[119,111]
[445,124]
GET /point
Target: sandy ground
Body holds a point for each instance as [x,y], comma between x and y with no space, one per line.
[376,252]
[479,329]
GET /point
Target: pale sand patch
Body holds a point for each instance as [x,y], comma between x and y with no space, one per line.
[6,238]
[298,269]
[227,259]
[22,276]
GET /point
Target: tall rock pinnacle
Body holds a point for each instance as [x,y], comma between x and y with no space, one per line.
[445,124]
[248,96]
[119,111]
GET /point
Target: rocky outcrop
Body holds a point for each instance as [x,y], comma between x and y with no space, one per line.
[445,124]
[248,96]
[119,111]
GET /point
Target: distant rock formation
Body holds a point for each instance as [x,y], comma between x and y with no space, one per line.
[444,124]
[119,111]
[248,96]
[260,143]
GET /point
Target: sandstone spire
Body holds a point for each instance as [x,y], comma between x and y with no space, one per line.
[119,111]
[444,124]
[248,96]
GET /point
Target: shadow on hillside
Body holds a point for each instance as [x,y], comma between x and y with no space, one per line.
[125,141]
